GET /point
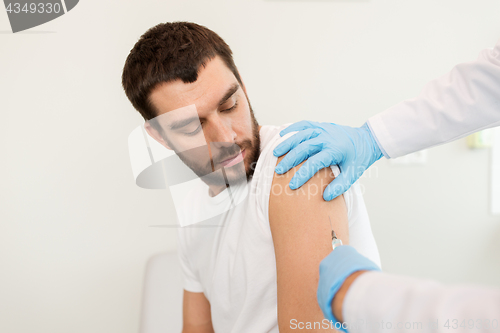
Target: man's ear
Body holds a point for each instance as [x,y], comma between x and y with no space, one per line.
[156,135]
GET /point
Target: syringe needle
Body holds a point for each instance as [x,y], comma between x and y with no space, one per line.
[335,241]
[330,222]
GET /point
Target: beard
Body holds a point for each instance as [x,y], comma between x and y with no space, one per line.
[212,172]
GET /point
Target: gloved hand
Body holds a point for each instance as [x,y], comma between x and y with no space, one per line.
[352,149]
[333,270]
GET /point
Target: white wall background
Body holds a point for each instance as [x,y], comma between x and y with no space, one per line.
[74,229]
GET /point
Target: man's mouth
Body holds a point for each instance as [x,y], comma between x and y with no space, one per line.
[234,159]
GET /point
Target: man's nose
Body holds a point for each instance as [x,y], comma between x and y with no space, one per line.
[222,131]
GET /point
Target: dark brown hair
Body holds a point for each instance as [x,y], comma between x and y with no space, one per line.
[168,52]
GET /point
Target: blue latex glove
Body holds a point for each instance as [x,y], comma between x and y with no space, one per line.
[333,270]
[353,149]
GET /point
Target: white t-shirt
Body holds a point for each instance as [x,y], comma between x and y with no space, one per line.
[230,257]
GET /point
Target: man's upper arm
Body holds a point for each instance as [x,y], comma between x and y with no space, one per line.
[196,315]
[302,238]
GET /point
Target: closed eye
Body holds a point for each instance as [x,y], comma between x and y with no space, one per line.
[231,108]
[194,132]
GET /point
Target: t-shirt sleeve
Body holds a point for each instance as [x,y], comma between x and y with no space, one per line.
[360,231]
[190,279]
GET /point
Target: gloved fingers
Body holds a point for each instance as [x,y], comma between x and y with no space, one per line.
[299,126]
[298,154]
[295,140]
[315,163]
[344,258]
[338,186]
[334,269]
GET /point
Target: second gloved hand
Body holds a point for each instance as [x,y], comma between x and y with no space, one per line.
[334,270]
[353,149]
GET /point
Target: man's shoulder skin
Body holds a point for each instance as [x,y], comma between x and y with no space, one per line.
[300,226]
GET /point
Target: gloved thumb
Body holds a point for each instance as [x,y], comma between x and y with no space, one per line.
[337,187]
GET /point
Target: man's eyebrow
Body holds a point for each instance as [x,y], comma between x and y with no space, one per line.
[181,123]
[229,93]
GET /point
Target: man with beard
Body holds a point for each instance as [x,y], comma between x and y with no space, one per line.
[256,269]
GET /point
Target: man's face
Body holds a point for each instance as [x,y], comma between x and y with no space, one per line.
[209,123]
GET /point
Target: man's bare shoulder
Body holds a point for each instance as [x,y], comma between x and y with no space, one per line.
[307,199]
[300,226]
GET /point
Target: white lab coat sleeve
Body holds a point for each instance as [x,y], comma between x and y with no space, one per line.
[463,101]
[382,302]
